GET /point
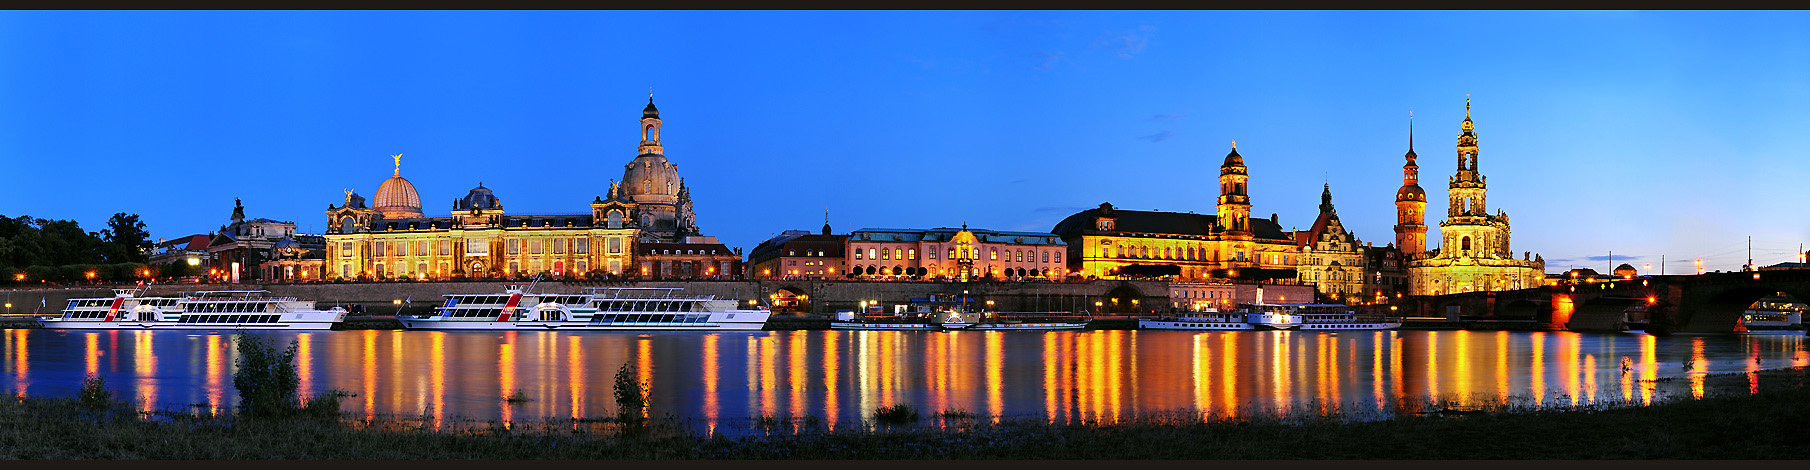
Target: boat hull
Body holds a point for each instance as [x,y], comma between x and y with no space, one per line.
[1195,325]
[884,326]
[1349,326]
[423,324]
[60,324]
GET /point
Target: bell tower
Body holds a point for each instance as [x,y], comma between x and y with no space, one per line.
[1411,203]
[1234,207]
[650,129]
[1467,187]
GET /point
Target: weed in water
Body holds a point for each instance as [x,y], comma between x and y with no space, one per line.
[516,397]
[631,396]
[94,392]
[896,414]
[266,379]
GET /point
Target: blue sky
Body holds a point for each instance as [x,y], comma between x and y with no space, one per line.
[1642,133]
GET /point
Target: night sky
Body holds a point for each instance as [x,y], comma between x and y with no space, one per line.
[1642,133]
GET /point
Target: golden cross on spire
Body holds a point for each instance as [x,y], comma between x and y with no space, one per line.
[398,159]
[1234,144]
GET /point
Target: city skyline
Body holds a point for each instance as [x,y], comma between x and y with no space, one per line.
[1645,134]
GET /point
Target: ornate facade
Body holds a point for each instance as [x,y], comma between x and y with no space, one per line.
[1115,244]
[1332,258]
[237,250]
[1410,203]
[951,253]
[1474,253]
[392,239]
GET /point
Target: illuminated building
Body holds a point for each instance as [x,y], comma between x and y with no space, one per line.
[238,249]
[392,239]
[1474,252]
[799,254]
[191,250]
[1112,243]
[1332,258]
[294,261]
[1411,203]
[951,253]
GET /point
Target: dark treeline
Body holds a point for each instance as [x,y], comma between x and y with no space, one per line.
[35,250]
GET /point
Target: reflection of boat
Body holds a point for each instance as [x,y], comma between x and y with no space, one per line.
[199,310]
[605,308]
[1338,317]
[1251,317]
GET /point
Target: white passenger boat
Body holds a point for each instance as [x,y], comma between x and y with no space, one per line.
[1030,321]
[1257,317]
[598,308]
[1339,317]
[197,310]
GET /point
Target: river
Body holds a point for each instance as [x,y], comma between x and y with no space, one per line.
[719,379]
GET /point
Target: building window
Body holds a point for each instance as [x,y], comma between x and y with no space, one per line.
[445,248]
[791,252]
[583,246]
[615,265]
[615,247]
[477,246]
[951,253]
[931,254]
[858,254]
[534,247]
[514,267]
[911,253]
[345,250]
[559,246]
[871,254]
[377,249]
[1046,256]
[379,269]
[581,266]
[515,246]
[420,268]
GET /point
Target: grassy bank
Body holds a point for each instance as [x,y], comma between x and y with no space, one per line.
[1773,424]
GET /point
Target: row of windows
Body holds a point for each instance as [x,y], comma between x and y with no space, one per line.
[227,307]
[644,306]
[652,318]
[90,303]
[472,312]
[479,246]
[964,253]
[922,271]
[230,318]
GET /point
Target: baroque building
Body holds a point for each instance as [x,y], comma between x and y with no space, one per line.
[956,254]
[1474,253]
[800,254]
[1111,243]
[1332,258]
[391,238]
[238,250]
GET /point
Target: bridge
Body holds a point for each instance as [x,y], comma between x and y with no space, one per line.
[1687,304]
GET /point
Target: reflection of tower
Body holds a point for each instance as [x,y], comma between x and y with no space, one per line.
[1411,203]
[1467,187]
[1234,208]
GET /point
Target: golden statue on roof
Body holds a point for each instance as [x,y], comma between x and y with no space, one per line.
[398,159]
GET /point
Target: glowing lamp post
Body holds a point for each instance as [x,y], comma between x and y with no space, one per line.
[1699,265]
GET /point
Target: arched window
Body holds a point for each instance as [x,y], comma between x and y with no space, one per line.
[1465,244]
[346,225]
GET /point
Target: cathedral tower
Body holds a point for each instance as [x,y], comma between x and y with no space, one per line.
[1234,207]
[1467,187]
[1411,203]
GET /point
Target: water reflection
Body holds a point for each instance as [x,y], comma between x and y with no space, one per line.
[1068,376]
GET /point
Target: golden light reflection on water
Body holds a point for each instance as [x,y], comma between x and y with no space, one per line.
[840,375]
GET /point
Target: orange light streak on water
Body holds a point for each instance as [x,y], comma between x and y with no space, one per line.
[1278,369]
[936,370]
[769,383]
[1203,388]
[215,366]
[712,362]
[146,361]
[1432,364]
[1377,377]
[889,352]
[1537,385]
[1567,362]
[1115,368]
[91,353]
[505,371]
[1097,375]
[1698,366]
[995,382]
[1590,377]
[1228,377]
[751,366]
[1753,365]
[304,362]
[644,364]
[1501,367]
[1332,374]
[369,367]
[1049,365]
[1649,366]
[21,352]
[1461,386]
[832,369]
[796,371]
[436,376]
[396,372]
[575,374]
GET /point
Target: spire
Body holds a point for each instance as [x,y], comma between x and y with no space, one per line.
[1326,198]
[1410,134]
[826,221]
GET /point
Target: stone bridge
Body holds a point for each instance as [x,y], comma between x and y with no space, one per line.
[1687,304]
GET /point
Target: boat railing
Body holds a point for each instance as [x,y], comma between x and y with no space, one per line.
[1035,317]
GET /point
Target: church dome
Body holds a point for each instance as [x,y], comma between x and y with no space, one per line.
[1234,159]
[650,175]
[650,111]
[1411,193]
[480,198]
[397,199]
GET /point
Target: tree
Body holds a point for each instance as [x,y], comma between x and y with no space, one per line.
[125,240]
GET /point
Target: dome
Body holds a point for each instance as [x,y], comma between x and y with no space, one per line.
[480,198]
[1411,193]
[650,111]
[397,199]
[1234,159]
[650,175]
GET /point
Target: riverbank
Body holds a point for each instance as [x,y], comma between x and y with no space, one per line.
[1728,423]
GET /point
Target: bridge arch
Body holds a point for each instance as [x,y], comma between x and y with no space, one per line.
[1602,313]
[1721,311]
[1125,299]
[790,299]
[1522,309]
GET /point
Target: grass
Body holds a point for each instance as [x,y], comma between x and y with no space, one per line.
[1773,424]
